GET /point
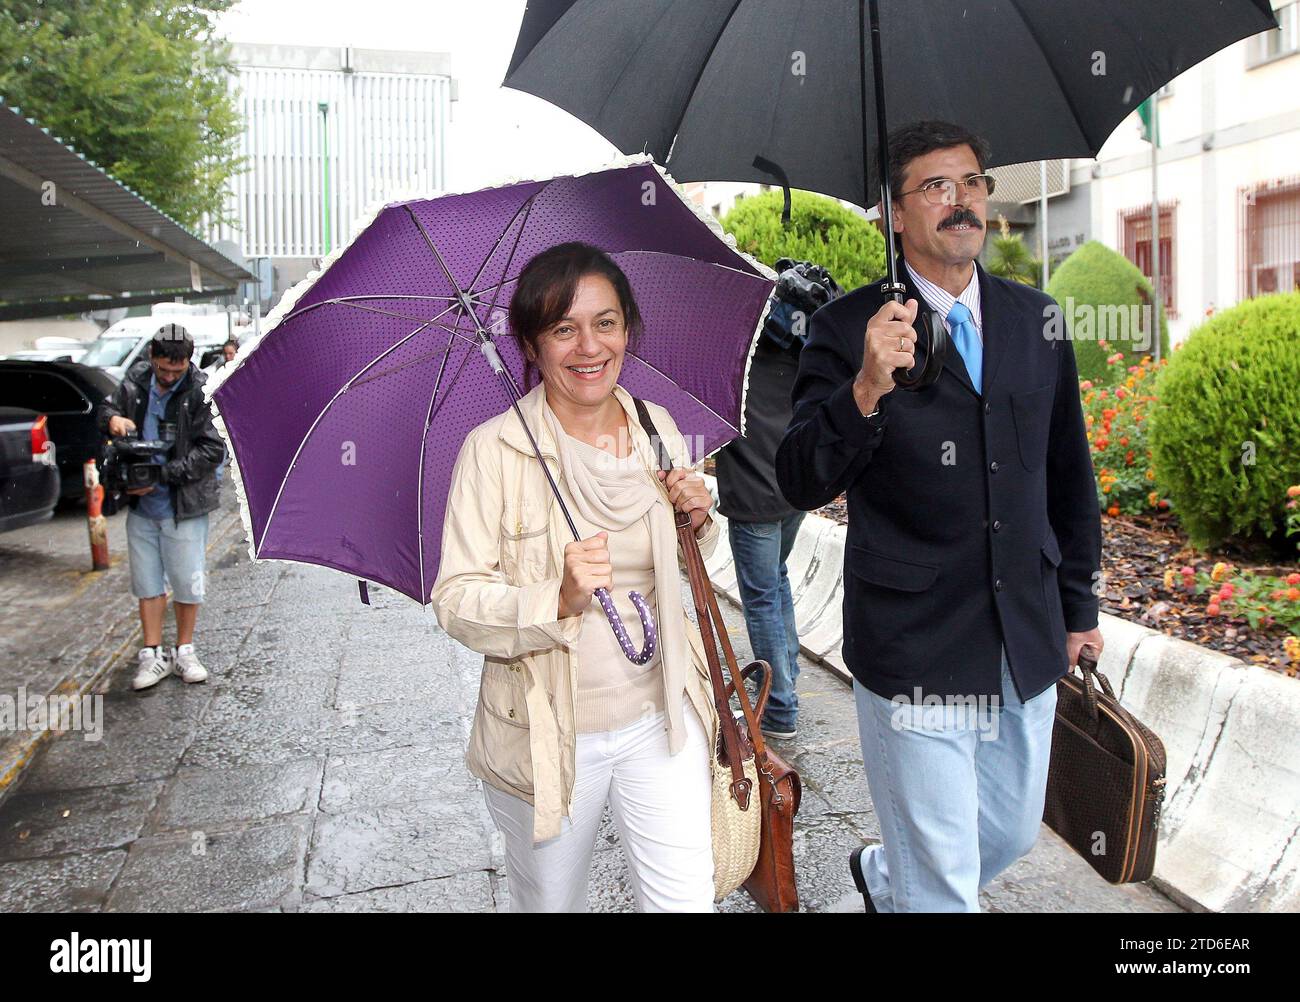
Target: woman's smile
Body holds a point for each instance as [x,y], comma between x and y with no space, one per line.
[589,371]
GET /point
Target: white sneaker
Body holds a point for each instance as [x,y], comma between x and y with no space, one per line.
[154,667]
[187,664]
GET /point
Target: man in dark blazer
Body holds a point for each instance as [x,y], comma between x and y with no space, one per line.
[973,552]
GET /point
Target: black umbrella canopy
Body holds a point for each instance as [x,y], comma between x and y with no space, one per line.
[706,86]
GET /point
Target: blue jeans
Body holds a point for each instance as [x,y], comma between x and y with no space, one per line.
[760,550]
[959,792]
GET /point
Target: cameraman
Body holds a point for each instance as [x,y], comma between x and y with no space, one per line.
[761,523]
[167,526]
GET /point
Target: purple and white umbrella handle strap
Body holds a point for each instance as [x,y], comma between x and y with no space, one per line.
[620,631]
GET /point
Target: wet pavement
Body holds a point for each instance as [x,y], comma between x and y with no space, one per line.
[321,769]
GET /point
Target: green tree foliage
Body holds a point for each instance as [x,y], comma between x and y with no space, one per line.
[821,230]
[137,86]
[1092,286]
[1225,429]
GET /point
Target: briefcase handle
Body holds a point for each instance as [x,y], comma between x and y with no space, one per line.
[1088,668]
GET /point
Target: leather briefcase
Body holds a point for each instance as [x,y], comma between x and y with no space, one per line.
[1106,782]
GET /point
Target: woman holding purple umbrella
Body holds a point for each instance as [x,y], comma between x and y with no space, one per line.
[565,721]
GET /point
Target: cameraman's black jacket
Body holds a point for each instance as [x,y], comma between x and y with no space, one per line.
[198,451]
[746,467]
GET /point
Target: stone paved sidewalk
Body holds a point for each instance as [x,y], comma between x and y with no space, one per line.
[320,769]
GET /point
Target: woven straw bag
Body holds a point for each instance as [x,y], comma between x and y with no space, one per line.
[737,832]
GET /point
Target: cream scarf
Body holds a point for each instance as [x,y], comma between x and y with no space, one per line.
[617,501]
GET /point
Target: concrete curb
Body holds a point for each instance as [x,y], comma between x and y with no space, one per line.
[1230,828]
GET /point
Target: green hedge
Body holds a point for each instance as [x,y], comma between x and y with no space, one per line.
[821,230]
[1097,280]
[1225,428]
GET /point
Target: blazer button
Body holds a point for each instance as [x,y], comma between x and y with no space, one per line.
[988,408]
[997,586]
[993,467]
[996,525]
[512,709]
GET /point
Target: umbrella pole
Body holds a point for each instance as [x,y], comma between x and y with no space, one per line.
[936,335]
[602,595]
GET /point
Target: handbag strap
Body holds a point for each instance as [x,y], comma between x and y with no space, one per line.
[710,617]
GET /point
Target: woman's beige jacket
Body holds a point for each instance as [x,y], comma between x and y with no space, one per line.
[498,591]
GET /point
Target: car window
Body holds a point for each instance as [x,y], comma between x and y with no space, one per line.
[108,351]
[46,392]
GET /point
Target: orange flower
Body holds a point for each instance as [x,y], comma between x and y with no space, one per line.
[1113,510]
[1220,569]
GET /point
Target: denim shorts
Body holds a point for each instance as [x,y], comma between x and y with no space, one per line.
[164,553]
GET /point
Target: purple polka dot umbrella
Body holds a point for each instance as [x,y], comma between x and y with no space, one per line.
[345,419]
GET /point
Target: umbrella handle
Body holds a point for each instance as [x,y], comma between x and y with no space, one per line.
[620,631]
[936,343]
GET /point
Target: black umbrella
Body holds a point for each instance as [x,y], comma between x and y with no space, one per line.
[764,90]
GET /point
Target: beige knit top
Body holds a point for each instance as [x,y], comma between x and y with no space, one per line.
[612,692]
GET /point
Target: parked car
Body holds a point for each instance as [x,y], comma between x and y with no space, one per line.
[52,349]
[67,393]
[29,478]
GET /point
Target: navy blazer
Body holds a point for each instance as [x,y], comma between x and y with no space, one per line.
[972,519]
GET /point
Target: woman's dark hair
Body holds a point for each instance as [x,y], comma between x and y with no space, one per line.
[919,138]
[546,288]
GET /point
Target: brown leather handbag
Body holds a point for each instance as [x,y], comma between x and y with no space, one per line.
[772,882]
[1106,782]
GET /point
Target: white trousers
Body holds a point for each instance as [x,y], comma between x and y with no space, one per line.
[661,804]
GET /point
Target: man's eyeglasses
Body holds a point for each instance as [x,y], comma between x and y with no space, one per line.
[943,190]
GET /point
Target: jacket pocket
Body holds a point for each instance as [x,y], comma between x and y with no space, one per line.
[503,693]
[1032,412]
[524,541]
[500,740]
[891,572]
[1051,585]
[1052,549]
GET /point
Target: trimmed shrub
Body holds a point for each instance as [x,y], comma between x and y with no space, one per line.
[1101,294]
[1225,427]
[821,230]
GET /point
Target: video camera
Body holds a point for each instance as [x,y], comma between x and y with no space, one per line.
[127,462]
[801,288]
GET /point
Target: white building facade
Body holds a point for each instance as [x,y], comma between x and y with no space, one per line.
[328,132]
[1228,185]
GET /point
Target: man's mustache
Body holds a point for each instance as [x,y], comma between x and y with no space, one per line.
[960,217]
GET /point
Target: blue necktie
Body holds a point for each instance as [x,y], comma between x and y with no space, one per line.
[967,340]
